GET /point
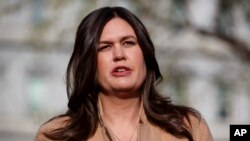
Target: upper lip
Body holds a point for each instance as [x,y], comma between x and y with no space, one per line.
[121,67]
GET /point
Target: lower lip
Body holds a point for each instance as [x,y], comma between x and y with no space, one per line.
[121,74]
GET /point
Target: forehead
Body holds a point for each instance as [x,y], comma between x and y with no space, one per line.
[117,27]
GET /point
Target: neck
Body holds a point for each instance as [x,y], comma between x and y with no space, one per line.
[118,110]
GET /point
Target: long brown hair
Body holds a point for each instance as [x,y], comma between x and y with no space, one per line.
[82,88]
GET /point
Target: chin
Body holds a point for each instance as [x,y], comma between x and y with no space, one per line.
[124,90]
[126,95]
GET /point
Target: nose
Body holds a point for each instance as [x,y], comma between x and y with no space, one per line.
[118,53]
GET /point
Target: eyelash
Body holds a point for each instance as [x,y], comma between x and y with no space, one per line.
[103,47]
[130,43]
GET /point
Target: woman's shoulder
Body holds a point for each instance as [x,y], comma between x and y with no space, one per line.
[53,124]
[200,129]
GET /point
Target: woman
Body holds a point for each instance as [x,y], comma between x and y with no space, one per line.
[111,80]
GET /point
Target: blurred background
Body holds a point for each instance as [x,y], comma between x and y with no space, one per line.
[203,49]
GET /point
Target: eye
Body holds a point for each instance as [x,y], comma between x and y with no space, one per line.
[104,47]
[129,43]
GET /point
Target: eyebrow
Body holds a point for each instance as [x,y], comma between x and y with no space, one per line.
[121,39]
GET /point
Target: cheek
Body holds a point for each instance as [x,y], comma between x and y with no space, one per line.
[102,67]
[104,59]
[101,63]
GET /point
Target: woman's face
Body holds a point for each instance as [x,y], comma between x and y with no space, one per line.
[120,64]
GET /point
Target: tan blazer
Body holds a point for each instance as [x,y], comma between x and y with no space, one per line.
[146,131]
[149,132]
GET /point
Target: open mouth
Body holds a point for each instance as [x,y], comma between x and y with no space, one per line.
[121,71]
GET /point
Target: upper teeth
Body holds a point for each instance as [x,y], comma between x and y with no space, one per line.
[120,70]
